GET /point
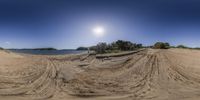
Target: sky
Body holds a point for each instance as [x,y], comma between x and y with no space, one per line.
[68,24]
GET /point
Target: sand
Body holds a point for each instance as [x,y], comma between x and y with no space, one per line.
[150,74]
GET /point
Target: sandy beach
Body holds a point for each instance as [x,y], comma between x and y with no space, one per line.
[151,74]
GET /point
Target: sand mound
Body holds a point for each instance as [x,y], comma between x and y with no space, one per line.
[172,74]
[8,54]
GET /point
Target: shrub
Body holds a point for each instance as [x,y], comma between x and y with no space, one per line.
[139,46]
[161,45]
[119,45]
[101,48]
[197,48]
[181,46]
[127,45]
[92,48]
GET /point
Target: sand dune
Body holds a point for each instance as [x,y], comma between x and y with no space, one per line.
[150,74]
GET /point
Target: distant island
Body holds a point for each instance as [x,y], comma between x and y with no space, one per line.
[82,48]
[44,49]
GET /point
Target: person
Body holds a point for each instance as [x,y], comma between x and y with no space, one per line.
[88,50]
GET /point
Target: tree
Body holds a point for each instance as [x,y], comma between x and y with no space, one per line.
[161,45]
[127,45]
[138,45]
[120,44]
[101,47]
[114,46]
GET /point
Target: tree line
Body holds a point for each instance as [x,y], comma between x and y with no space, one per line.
[117,46]
[121,45]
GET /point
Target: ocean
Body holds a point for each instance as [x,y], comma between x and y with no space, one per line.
[47,52]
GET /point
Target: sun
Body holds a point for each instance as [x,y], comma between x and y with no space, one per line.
[99,31]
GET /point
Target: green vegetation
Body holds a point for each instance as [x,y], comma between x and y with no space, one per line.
[101,48]
[198,48]
[1,48]
[161,45]
[186,47]
[39,49]
[115,47]
[44,49]
[182,46]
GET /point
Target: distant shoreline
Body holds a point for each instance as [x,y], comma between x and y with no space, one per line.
[47,52]
[34,49]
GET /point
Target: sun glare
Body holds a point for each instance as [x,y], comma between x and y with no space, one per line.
[98,31]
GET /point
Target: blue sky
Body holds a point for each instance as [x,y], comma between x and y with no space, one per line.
[67,24]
